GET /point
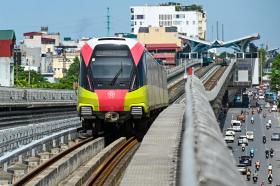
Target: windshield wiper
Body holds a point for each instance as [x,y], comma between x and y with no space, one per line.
[116,77]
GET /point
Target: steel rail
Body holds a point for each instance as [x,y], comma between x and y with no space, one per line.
[51,161]
[106,168]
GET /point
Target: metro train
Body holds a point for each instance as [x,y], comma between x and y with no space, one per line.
[121,85]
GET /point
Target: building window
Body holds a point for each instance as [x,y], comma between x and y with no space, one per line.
[187,22]
[132,10]
[140,23]
[193,22]
[132,30]
[132,17]
[135,23]
[178,16]
[139,16]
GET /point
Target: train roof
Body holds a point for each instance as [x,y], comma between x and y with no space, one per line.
[113,40]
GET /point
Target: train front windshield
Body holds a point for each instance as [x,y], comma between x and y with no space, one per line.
[111,69]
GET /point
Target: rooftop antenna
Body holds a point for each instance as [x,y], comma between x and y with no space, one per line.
[217,30]
[108,21]
[212,34]
[222,32]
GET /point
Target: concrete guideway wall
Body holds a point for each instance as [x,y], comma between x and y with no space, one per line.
[205,157]
[212,94]
[22,95]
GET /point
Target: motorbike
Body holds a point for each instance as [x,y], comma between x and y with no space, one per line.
[252,121]
[267,126]
[270,179]
[271,155]
[264,139]
[266,154]
[257,167]
[255,179]
[264,115]
[252,153]
[243,149]
[248,177]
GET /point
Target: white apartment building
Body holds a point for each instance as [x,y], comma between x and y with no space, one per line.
[188,21]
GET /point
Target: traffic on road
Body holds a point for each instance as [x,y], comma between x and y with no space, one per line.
[253,137]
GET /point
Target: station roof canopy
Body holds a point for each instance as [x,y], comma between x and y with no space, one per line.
[198,45]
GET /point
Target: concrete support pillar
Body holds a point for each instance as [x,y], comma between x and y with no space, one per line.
[33,152]
[5,178]
[32,162]
[44,156]
[69,137]
[20,158]
[54,143]
[5,168]
[18,170]
[44,147]
[55,151]
[62,140]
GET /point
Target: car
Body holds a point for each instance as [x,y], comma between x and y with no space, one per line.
[229,138]
[242,168]
[274,108]
[245,160]
[242,139]
[261,96]
[236,125]
[275,136]
[267,105]
[230,131]
[250,135]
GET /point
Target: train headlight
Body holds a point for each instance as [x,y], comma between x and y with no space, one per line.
[86,111]
[136,112]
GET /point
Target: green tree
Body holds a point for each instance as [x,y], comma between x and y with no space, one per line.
[275,74]
[36,79]
[262,55]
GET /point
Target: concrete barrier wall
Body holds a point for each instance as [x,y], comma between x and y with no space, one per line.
[212,94]
[206,160]
[35,95]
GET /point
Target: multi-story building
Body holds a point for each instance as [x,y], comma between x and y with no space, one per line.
[7,42]
[190,20]
[61,63]
[162,42]
[36,49]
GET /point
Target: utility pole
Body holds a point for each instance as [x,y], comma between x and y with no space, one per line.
[108,21]
[217,30]
[28,72]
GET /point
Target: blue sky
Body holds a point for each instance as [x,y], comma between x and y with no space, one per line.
[88,18]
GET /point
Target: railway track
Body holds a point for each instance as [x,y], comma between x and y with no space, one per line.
[212,81]
[31,175]
[112,159]
[100,176]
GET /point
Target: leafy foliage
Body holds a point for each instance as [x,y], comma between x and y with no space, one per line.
[38,81]
[275,75]
[262,54]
